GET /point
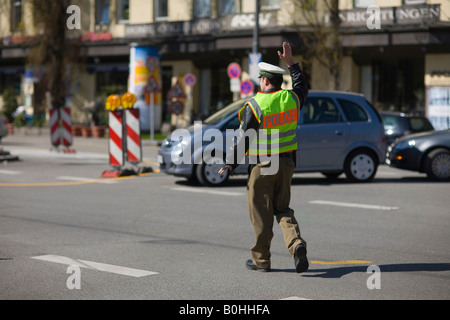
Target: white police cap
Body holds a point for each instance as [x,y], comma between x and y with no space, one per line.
[270,70]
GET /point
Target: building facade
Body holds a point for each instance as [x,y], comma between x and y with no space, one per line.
[397,54]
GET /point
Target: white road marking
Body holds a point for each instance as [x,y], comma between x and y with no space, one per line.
[201,190]
[354,205]
[10,172]
[294,298]
[68,178]
[96,266]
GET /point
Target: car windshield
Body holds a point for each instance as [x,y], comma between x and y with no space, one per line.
[419,124]
[222,114]
[391,121]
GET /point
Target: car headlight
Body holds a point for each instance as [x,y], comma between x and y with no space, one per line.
[177,152]
[402,145]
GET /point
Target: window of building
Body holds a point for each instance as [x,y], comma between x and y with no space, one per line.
[102,11]
[228,7]
[270,4]
[161,9]
[414,1]
[364,3]
[202,8]
[123,11]
[16,15]
[352,111]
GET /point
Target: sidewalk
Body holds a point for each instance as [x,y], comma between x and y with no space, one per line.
[39,138]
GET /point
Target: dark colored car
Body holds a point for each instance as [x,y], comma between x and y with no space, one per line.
[338,132]
[398,124]
[427,152]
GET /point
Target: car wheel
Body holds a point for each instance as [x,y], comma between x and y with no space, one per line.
[208,174]
[437,165]
[360,166]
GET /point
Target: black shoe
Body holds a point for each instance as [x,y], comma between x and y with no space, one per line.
[250,265]
[300,259]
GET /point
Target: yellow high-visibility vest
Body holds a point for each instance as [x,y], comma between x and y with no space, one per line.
[277,113]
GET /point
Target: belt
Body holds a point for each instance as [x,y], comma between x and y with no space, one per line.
[289,155]
[286,155]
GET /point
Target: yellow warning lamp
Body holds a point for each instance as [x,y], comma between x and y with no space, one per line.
[128,100]
[112,102]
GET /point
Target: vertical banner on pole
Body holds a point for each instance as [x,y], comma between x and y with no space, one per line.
[134,149]
[145,75]
[116,157]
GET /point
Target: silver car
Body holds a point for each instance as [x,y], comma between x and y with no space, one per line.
[338,133]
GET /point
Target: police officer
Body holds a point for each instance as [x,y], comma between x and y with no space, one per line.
[274,113]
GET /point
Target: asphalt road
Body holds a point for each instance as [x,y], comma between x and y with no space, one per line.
[67,233]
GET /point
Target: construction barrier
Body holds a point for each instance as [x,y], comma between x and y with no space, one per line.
[66,127]
[124,136]
[133,129]
[61,128]
[54,128]
[116,155]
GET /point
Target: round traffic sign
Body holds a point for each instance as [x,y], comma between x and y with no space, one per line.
[177,107]
[152,64]
[234,70]
[247,87]
[189,79]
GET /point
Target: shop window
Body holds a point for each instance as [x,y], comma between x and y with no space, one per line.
[102,12]
[352,111]
[123,11]
[108,83]
[320,110]
[202,8]
[270,4]
[161,9]
[229,7]
[16,15]
[364,3]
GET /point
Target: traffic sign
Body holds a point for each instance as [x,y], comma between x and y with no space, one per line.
[234,70]
[152,64]
[152,85]
[189,79]
[247,87]
[177,107]
[176,92]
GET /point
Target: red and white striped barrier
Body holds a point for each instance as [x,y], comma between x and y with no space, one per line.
[66,127]
[116,154]
[124,136]
[61,127]
[54,128]
[133,129]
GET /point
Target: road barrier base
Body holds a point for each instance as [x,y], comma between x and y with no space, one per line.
[118,173]
[7,156]
[143,170]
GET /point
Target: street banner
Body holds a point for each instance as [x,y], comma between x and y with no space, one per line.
[144,75]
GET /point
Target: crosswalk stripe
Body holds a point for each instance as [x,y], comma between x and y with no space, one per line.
[96,266]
